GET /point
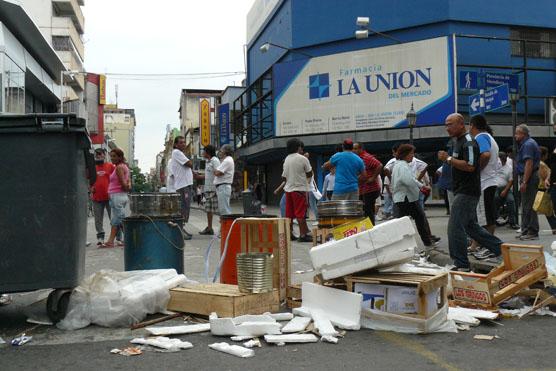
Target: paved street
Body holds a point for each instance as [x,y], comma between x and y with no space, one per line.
[89,348]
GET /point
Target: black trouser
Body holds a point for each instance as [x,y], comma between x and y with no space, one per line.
[369,200]
[414,210]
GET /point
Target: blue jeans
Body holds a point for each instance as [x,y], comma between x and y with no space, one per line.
[283,205]
[510,204]
[313,205]
[463,223]
[388,207]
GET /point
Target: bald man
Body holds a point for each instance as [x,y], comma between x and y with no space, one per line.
[466,184]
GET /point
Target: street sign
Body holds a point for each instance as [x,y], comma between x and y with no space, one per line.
[475,104]
[468,80]
[497,98]
[496,79]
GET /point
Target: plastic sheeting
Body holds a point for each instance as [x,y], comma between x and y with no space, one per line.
[119,299]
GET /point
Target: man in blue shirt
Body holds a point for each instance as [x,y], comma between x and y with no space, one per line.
[349,167]
[527,164]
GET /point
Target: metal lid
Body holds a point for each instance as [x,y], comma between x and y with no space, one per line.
[340,208]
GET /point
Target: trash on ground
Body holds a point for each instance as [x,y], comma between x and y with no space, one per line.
[527,310]
[178,330]
[235,350]
[164,343]
[39,321]
[252,325]
[329,339]
[20,340]
[471,317]
[484,337]
[280,316]
[165,318]
[242,338]
[322,323]
[128,352]
[119,299]
[291,338]
[253,343]
[297,324]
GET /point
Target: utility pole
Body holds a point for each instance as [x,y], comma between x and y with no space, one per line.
[514,98]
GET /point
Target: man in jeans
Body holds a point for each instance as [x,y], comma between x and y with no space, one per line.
[466,183]
[369,187]
[209,191]
[99,192]
[527,164]
[181,177]
[504,194]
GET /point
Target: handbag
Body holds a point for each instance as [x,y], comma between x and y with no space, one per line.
[543,203]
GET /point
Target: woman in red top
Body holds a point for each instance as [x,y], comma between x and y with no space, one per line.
[118,187]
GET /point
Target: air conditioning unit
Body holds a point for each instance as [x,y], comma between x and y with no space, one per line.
[551,112]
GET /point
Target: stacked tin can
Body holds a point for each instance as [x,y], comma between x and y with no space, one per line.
[254,272]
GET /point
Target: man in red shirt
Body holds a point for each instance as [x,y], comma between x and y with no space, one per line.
[369,186]
[99,192]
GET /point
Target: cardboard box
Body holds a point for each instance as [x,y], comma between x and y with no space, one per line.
[396,299]
[374,296]
[349,229]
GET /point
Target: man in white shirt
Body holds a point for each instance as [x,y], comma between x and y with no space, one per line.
[209,190]
[504,194]
[180,177]
[223,179]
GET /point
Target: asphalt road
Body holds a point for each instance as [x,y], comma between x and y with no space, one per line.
[522,344]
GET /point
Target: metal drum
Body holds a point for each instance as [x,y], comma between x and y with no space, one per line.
[254,272]
[335,213]
[155,204]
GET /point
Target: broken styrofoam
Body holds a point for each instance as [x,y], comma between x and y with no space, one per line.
[329,339]
[242,338]
[477,313]
[243,325]
[178,330]
[235,350]
[164,343]
[342,308]
[527,310]
[253,343]
[383,321]
[291,338]
[389,243]
[463,318]
[322,323]
[280,316]
[297,324]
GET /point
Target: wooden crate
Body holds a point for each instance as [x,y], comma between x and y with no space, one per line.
[321,235]
[270,235]
[335,283]
[523,265]
[225,300]
[293,296]
[425,285]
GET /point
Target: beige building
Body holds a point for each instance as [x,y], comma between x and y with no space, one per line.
[62,24]
[119,125]
[189,117]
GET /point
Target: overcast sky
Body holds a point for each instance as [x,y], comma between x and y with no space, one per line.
[164,36]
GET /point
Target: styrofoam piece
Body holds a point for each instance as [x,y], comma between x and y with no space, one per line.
[253,343]
[287,316]
[389,243]
[291,338]
[477,313]
[178,330]
[329,339]
[342,308]
[229,327]
[383,321]
[297,324]
[253,318]
[301,311]
[241,338]
[235,350]
[463,318]
[164,343]
[322,323]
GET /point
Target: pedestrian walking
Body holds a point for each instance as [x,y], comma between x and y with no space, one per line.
[328,185]
[314,194]
[296,173]
[466,184]
[405,193]
[209,190]
[181,178]
[488,162]
[349,167]
[118,187]
[527,165]
[388,207]
[99,192]
[504,194]
[224,177]
[544,184]
[369,185]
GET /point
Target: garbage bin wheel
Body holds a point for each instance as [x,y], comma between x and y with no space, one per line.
[57,304]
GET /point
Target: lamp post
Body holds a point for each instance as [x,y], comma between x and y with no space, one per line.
[363,32]
[266,47]
[411,117]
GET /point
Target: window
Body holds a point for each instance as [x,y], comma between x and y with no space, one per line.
[62,43]
[14,87]
[540,49]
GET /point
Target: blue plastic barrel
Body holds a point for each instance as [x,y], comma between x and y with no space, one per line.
[153,243]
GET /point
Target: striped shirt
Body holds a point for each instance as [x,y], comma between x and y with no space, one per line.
[468,183]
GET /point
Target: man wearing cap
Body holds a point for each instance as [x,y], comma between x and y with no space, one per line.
[349,169]
[99,192]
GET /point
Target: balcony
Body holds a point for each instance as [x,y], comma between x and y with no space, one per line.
[62,26]
[71,8]
[73,63]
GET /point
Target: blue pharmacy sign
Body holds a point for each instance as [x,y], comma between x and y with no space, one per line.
[224,123]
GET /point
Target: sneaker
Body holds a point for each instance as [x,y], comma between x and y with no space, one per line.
[501,221]
[306,238]
[435,238]
[100,242]
[484,254]
[519,231]
[207,232]
[529,237]
[513,226]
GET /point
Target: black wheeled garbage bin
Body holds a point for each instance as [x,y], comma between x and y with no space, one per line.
[47,165]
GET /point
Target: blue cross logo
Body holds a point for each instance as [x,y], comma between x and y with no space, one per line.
[319,86]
